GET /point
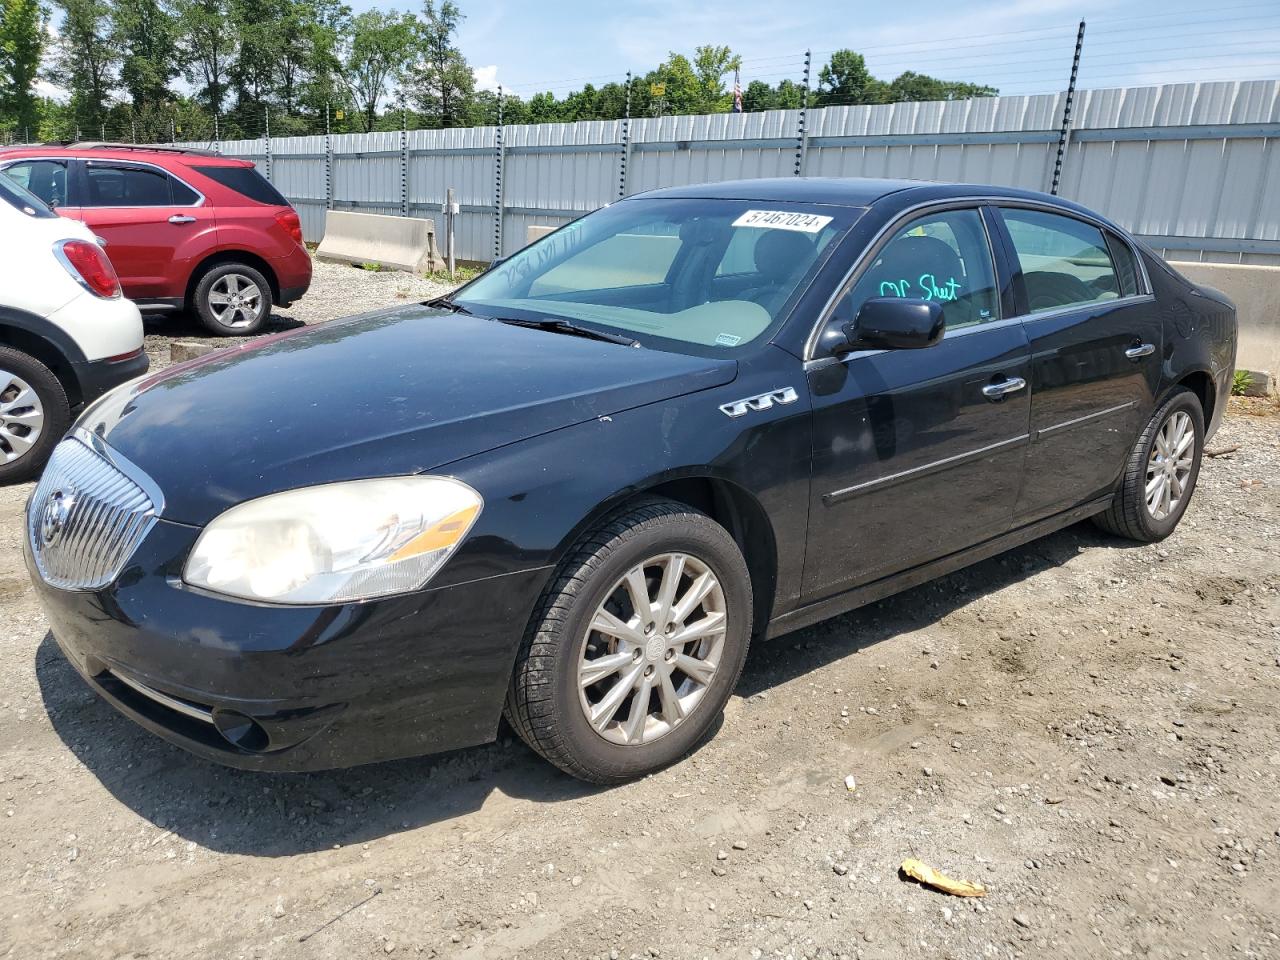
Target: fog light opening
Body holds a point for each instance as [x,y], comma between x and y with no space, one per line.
[243,733]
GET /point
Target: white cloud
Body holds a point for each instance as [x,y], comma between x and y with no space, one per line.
[486,77]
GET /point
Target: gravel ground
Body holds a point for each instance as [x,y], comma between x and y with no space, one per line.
[1086,726]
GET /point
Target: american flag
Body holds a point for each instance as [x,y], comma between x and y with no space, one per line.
[737,93]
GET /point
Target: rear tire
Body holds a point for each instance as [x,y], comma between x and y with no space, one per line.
[1159,480]
[652,575]
[233,300]
[34,414]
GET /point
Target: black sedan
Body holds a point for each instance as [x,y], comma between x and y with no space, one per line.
[575,491]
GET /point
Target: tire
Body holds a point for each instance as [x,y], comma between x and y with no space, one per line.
[240,317]
[546,704]
[1130,515]
[34,414]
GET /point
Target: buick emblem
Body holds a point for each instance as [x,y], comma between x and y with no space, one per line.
[56,511]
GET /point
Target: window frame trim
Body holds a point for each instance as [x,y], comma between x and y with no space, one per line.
[128,164]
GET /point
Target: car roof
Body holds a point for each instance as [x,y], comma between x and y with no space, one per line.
[146,153]
[857,192]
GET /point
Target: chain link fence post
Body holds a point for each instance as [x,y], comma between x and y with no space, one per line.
[498,157]
[802,137]
[1064,135]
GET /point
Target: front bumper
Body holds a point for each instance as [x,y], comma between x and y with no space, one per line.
[293,688]
[96,377]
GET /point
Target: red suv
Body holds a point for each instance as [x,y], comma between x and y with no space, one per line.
[185,229]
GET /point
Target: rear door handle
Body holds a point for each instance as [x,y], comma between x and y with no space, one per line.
[997,391]
[1140,350]
[181,218]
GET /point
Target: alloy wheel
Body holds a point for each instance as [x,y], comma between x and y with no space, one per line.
[235,300]
[652,649]
[21,417]
[1169,466]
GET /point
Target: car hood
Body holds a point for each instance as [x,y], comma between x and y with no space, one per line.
[390,393]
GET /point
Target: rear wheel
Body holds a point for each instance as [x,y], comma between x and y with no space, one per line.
[1161,472]
[635,647]
[34,414]
[233,300]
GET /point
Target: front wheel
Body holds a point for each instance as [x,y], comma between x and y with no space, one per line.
[1161,472]
[233,300]
[636,645]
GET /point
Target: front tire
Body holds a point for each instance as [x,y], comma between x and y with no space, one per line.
[233,300]
[636,645]
[34,414]
[1161,472]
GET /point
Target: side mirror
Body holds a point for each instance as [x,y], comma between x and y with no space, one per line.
[886,323]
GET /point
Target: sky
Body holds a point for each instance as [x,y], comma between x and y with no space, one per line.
[1018,46]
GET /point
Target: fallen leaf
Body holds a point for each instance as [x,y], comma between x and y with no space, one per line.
[918,870]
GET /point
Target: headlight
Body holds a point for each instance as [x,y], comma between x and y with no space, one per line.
[335,543]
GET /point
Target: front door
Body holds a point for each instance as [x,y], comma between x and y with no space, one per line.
[917,453]
[144,215]
[1096,346]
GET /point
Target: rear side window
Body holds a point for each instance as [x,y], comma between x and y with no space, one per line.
[247,182]
[1126,267]
[23,200]
[1065,262]
[121,186]
[47,179]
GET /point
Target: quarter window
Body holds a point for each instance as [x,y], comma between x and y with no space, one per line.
[47,179]
[1065,262]
[119,186]
[943,257]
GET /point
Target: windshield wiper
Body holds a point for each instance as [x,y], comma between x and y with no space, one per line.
[445,303]
[558,325]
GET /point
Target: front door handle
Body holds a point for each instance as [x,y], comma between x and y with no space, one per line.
[1140,350]
[181,218]
[997,391]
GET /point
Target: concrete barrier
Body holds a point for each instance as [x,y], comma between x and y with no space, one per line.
[401,243]
[536,233]
[1256,292]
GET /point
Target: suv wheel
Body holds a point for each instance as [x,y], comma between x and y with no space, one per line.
[233,300]
[1161,472]
[635,647]
[34,414]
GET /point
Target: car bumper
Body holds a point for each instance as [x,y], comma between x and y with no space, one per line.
[96,377]
[293,274]
[293,688]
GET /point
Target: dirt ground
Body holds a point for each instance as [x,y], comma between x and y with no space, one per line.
[1087,727]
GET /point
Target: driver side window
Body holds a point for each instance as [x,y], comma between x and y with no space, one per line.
[944,257]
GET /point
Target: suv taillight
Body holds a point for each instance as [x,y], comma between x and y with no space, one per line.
[292,225]
[89,266]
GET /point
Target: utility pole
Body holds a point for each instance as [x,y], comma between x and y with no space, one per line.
[1064,135]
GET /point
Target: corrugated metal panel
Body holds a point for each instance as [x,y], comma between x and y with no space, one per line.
[1219,182]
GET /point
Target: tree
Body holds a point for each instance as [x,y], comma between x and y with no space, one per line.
[711,65]
[845,79]
[146,34]
[85,60]
[207,39]
[443,83]
[308,66]
[22,25]
[918,86]
[375,53]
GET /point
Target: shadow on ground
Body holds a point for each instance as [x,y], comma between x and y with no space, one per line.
[259,814]
[183,325]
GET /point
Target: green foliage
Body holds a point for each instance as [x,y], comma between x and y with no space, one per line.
[1241,380]
[377,51]
[442,82]
[22,39]
[145,34]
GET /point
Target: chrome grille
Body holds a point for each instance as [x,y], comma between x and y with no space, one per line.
[87,515]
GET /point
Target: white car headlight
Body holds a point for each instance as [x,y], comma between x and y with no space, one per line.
[335,543]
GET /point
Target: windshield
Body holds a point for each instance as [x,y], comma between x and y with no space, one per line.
[22,199]
[702,276]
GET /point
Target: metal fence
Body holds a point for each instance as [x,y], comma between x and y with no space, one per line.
[1193,168]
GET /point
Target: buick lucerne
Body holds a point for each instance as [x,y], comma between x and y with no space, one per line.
[575,490]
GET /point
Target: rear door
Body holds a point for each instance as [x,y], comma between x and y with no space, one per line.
[917,453]
[148,219]
[1096,345]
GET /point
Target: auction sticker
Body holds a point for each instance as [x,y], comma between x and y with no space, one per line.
[782,220]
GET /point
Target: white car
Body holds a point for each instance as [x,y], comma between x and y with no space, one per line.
[66,333]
